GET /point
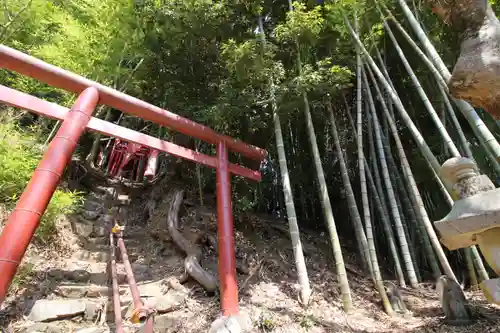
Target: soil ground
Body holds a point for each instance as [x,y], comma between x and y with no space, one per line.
[268,293]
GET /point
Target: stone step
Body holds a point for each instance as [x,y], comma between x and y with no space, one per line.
[97,272]
[92,255]
[48,310]
[85,290]
[166,323]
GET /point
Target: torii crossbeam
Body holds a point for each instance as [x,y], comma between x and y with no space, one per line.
[24,220]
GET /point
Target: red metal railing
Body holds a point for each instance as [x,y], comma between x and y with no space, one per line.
[24,220]
[116,289]
[140,314]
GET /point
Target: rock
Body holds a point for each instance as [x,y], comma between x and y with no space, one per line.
[90,215]
[172,301]
[83,227]
[78,275]
[176,285]
[91,255]
[44,310]
[71,291]
[233,324]
[78,291]
[99,274]
[168,323]
[100,230]
[150,289]
[57,273]
[92,310]
[141,272]
[124,199]
[93,330]
[99,291]
[93,205]
[77,271]
[43,328]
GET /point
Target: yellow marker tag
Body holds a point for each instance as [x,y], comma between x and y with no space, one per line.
[135,317]
[116,229]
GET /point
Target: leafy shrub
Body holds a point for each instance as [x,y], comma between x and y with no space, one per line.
[19,156]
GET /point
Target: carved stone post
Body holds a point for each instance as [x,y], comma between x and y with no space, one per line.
[474,218]
[475,77]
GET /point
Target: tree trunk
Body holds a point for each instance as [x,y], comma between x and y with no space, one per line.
[467,110]
[405,166]
[405,252]
[380,205]
[370,247]
[305,289]
[359,141]
[325,198]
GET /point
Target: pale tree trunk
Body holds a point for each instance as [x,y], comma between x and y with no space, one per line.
[405,166]
[478,263]
[470,266]
[380,205]
[405,252]
[327,210]
[489,147]
[467,110]
[372,255]
[465,144]
[359,137]
[393,172]
[423,237]
[325,198]
[305,289]
[427,103]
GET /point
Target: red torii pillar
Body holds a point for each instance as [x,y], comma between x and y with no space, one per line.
[24,220]
[227,261]
[13,244]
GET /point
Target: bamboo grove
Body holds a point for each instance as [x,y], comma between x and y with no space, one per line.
[349,97]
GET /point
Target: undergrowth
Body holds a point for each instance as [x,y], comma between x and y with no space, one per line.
[19,156]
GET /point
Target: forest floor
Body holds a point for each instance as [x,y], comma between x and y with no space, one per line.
[268,293]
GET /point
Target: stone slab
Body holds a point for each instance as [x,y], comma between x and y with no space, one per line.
[44,310]
[233,324]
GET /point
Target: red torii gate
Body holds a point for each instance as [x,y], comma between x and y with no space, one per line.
[25,218]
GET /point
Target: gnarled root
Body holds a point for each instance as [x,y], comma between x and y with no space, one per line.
[192,261]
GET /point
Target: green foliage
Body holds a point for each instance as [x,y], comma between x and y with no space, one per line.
[85,37]
[205,61]
[19,156]
[324,77]
[266,322]
[23,276]
[302,25]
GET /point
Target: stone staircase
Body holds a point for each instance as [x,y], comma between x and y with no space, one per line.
[80,296]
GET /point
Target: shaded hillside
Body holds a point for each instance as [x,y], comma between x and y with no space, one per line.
[268,287]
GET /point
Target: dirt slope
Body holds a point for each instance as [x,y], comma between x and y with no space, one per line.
[267,292]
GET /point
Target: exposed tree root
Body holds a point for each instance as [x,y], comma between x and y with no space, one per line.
[193,252]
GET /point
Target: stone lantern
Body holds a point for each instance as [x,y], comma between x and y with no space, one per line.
[474,217]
